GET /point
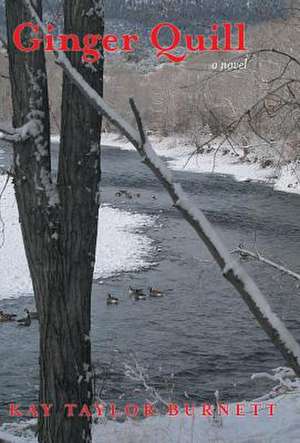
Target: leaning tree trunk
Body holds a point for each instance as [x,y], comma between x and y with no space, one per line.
[59,221]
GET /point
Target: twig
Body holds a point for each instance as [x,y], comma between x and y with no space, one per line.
[257,256]
[2,223]
[137,373]
[138,120]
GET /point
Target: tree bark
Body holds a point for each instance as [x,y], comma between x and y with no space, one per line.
[59,220]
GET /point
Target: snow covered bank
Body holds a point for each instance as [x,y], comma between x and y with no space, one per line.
[120,247]
[111,139]
[285,178]
[283,427]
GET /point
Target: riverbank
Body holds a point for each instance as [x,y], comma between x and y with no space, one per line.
[257,168]
[121,245]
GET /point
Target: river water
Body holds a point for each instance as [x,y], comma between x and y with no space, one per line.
[199,337]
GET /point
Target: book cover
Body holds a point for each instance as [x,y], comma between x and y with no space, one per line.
[149,221]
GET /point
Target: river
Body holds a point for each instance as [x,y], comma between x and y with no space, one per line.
[200,336]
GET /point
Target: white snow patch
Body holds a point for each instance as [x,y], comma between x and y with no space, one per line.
[107,139]
[117,141]
[206,163]
[119,247]
[55,138]
[289,179]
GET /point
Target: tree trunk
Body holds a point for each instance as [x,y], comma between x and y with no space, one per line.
[59,221]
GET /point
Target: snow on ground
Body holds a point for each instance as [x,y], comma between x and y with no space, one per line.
[115,140]
[120,246]
[289,179]
[208,163]
[107,139]
[286,178]
[283,427]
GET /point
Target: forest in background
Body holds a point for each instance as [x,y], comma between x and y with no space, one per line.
[185,12]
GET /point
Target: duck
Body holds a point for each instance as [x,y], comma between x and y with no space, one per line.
[135,291]
[5,317]
[26,321]
[155,292]
[110,300]
[139,296]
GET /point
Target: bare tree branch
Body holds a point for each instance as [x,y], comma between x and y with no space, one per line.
[2,223]
[257,256]
[138,120]
[12,136]
[276,51]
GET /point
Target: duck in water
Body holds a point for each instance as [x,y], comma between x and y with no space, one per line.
[139,296]
[110,300]
[135,291]
[25,321]
[155,292]
[5,317]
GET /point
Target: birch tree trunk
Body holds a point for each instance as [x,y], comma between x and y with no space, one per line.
[59,220]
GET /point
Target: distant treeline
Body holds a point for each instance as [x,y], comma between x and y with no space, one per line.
[188,13]
[193,11]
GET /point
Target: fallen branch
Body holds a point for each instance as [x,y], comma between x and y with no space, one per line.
[257,256]
[231,270]
[285,379]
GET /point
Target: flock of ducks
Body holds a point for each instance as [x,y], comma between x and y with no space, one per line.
[26,321]
[127,194]
[136,294]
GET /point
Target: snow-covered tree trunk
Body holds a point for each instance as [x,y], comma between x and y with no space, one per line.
[59,220]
